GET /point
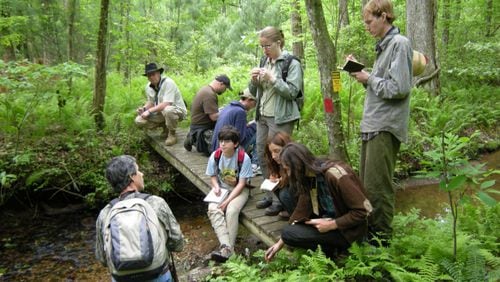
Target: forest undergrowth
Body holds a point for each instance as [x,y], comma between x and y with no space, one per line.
[53,151]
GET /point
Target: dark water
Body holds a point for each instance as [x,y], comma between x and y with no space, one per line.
[37,247]
[431,200]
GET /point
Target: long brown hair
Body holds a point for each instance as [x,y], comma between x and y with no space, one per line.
[301,166]
[280,138]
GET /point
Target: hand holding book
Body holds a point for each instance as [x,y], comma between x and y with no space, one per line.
[353,66]
[213,197]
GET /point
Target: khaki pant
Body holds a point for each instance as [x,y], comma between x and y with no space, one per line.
[168,118]
[226,225]
[378,159]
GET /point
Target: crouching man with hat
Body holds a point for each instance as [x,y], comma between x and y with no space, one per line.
[164,106]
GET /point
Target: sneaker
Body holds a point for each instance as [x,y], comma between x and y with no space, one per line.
[187,144]
[273,210]
[222,255]
[264,203]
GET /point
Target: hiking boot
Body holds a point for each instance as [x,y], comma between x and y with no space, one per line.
[223,254]
[164,132]
[187,143]
[273,210]
[284,215]
[171,139]
[264,203]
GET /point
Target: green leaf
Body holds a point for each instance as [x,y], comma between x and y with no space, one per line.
[487,184]
[457,182]
[487,199]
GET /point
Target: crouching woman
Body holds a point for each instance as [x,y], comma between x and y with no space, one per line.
[332,208]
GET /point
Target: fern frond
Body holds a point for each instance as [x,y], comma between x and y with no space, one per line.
[454,269]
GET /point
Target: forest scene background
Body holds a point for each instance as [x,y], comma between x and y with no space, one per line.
[69,87]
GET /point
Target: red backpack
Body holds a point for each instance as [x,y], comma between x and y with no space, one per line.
[241,158]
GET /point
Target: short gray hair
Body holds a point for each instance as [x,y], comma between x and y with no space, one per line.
[119,170]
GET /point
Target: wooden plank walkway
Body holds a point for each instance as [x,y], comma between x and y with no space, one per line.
[193,165]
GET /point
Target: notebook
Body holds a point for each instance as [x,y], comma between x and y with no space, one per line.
[212,198]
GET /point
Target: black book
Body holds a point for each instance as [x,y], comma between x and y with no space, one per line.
[353,66]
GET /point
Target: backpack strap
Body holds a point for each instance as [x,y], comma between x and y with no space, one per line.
[241,158]
[286,65]
[263,60]
[140,195]
[284,74]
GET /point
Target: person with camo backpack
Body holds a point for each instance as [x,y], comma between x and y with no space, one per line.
[132,217]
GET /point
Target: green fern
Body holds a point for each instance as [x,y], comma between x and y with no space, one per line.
[454,269]
[475,265]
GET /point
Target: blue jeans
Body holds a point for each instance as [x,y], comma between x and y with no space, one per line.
[288,201]
[250,147]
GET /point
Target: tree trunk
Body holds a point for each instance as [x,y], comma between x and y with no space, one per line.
[489,16]
[71,30]
[445,37]
[128,54]
[343,13]
[100,67]
[420,25]
[298,43]
[326,54]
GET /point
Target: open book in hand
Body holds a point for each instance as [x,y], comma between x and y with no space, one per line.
[212,198]
[268,185]
[353,66]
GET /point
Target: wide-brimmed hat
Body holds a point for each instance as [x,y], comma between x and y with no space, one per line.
[247,94]
[151,67]
[225,80]
[419,62]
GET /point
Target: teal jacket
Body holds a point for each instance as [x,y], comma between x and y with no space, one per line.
[285,108]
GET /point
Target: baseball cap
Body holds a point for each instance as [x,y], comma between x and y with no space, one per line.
[246,94]
[225,80]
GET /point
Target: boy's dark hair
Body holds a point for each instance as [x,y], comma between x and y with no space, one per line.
[229,132]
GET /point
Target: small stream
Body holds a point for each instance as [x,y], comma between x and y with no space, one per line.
[37,247]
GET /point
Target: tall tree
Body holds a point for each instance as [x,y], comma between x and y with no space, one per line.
[298,43]
[446,19]
[71,29]
[326,55]
[343,13]
[420,27]
[490,23]
[100,67]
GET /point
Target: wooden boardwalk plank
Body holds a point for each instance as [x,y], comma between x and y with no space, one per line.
[193,165]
